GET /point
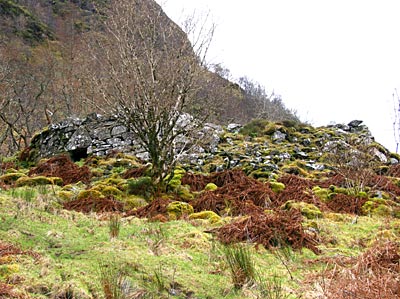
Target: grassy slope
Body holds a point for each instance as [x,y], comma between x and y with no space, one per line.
[72,246]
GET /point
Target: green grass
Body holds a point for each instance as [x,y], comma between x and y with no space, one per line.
[157,259]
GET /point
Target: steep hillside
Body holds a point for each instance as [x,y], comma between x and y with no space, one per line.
[272,210]
[44,62]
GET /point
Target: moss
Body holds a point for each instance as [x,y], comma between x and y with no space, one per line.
[260,174]
[308,210]
[340,190]
[270,129]
[206,215]
[6,271]
[2,199]
[142,186]
[65,195]
[38,180]
[277,187]
[111,181]
[89,193]
[337,217]
[107,190]
[175,182]
[294,169]
[133,202]
[321,193]
[10,178]
[177,209]
[184,193]
[211,187]
[378,207]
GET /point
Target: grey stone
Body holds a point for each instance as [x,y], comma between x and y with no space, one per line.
[355,123]
[101,133]
[233,128]
[80,139]
[278,137]
[116,131]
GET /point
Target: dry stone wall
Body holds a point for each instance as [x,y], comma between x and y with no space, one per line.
[99,135]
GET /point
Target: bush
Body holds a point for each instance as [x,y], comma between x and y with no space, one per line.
[142,186]
[254,128]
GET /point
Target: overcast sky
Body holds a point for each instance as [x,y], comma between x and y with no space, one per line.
[331,61]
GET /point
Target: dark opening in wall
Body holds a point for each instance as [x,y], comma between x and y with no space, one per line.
[78,154]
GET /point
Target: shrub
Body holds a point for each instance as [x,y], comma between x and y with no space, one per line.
[254,128]
[142,186]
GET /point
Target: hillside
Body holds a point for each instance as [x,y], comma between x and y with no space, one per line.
[274,210]
[47,73]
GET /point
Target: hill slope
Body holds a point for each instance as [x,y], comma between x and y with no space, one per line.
[44,61]
[96,229]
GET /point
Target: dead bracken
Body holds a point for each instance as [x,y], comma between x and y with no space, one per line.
[63,167]
[98,205]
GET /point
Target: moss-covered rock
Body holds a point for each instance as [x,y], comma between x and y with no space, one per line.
[379,207]
[206,215]
[90,193]
[260,174]
[38,180]
[177,209]
[11,178]
[210,187]
[277,186]
[65,196]
[322,193]
[294,169]
[307,210]
[108,190]
[133,202]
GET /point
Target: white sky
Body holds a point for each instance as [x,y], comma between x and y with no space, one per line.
[332,61]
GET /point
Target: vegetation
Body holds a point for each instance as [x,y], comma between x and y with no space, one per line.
[257,218]
[44,78]
[235,236]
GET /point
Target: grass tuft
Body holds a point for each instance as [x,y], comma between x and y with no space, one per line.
[241,265]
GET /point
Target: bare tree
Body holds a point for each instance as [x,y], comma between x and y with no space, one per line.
[260,104]
[25,77]
[396,119]
[145,70]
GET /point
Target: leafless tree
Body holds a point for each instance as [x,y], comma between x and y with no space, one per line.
[396,119]
[145,70]
[24,81]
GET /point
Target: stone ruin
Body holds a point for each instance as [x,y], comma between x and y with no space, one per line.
[100,135]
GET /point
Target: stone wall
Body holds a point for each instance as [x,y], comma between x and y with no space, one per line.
[99,135]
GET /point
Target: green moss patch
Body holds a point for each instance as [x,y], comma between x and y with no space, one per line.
[38,180]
